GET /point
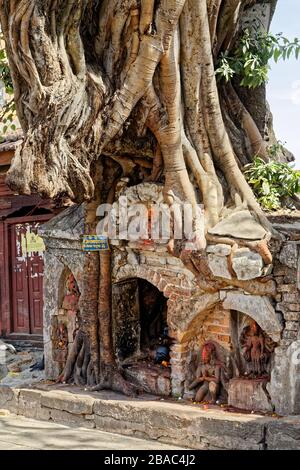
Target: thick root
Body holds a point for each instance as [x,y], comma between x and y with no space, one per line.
[112,379]
[79,368]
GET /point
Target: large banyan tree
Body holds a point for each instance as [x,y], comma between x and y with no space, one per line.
[111,87]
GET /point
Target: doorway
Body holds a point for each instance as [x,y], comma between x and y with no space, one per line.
[26,278]
[139,319]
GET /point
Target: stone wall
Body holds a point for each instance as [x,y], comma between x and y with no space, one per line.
[248,284]
[63,254]
[285,381]
[194,317]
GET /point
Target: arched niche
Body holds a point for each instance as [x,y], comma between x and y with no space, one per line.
[259,308]
[68,290]
[139,321]
[139,314]
[200,325]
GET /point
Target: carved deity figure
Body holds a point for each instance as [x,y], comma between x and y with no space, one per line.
[256,348]
[60,342]
[208,375]
[71,299]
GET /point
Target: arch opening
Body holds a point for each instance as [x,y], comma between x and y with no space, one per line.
[140,334]
[64,324]
[243,356]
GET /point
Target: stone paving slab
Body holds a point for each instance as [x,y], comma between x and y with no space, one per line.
[19,433]
[150,418]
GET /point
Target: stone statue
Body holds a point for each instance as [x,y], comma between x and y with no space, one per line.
[256,349]
[208,375]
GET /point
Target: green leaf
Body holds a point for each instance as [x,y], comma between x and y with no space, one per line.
[272,182]
[266,188]
[277,54]
[250,60]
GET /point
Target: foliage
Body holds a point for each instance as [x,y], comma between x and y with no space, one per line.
[272,182]
[7,113]
[250,60]
[276,149]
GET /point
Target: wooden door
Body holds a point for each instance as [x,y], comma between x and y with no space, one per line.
[35,272]
[19,281]
[27,266]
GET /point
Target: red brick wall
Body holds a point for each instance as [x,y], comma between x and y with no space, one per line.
[216,326]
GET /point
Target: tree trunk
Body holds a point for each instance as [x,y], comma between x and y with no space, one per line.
[134,78]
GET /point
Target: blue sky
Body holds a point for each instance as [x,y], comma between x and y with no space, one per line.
[284,83]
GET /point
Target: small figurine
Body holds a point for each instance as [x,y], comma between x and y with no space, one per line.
[256,350]
[208,375]
[163,350]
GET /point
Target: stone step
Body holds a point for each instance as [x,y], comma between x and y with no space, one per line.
[167,421]
[25,341]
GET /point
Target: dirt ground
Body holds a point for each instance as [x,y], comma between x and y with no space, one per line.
[15,366]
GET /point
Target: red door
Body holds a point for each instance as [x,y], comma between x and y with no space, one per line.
[26,279]
[35,269]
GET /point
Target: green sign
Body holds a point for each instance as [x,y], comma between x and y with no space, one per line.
[95,243]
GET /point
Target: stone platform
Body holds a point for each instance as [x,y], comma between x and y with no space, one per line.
[249,394]
[167,421]
[154,379]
